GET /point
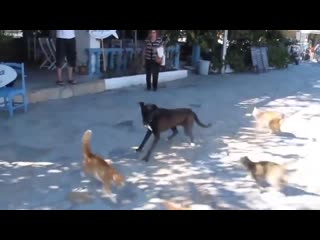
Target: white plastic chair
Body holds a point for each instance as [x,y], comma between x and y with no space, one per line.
[52,46]
[50,58]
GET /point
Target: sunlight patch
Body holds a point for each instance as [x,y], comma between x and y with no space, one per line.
[143,186]
[200,207]
[218,155]
[155,200]
[6,174]
[33,164]
[254,101]
[149,206]
[163,171]
[54,171]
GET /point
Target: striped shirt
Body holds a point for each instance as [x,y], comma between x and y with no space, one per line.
[150,54]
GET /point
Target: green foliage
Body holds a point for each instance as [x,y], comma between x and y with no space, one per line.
[237,60]
[4,38]
[202,37]
[216,63]
[256,37]
[278,56]
[239,55]
[240,41]
[173,35]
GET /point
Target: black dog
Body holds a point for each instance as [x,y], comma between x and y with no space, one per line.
[158,120]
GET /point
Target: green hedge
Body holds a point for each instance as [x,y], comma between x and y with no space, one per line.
[278,56]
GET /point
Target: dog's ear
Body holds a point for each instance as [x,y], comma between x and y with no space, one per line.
[141,104]
[154,107]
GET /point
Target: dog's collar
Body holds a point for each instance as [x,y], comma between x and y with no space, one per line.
[148,126]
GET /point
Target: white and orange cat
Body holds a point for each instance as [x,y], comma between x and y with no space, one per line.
[270,119]
[273,173]
[169,205]
[96,166]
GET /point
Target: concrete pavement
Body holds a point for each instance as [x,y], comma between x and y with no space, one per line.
[40,151]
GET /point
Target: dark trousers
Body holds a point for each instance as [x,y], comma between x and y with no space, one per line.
[152,68]
[66,48]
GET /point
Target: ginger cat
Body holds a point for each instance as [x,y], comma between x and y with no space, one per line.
[98,167]
[271,119]
[174,206]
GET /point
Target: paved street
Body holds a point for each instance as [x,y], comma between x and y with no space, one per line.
[40,151]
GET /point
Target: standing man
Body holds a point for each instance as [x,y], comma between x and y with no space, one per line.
[66,49]
[152,43]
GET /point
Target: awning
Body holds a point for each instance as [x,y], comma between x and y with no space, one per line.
[310,31]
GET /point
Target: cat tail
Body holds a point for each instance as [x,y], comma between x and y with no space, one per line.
[86,143]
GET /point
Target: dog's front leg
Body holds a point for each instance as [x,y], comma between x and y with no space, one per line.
[145,139]
[154,143]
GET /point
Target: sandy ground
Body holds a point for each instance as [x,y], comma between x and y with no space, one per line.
[40,151]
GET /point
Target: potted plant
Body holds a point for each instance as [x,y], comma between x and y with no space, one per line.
[83,69]
[205,61]
[203,42]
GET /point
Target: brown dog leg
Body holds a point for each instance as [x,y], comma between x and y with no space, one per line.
[188,132]
[174,133]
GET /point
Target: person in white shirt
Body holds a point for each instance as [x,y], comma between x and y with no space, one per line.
[66,49]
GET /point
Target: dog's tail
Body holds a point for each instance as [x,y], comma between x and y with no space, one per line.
[200,123]
[86,143]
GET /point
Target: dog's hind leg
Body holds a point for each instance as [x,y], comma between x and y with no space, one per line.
[188,132]
[145,139]
[174,133]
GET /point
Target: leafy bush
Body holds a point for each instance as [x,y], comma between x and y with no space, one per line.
[239,56]
[4,38]
[278,56]
[216,62]
[11,49]
[236,60]
[239,52]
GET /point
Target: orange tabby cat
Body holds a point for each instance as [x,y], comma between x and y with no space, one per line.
[270,119]
[98,167]
[174,206]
